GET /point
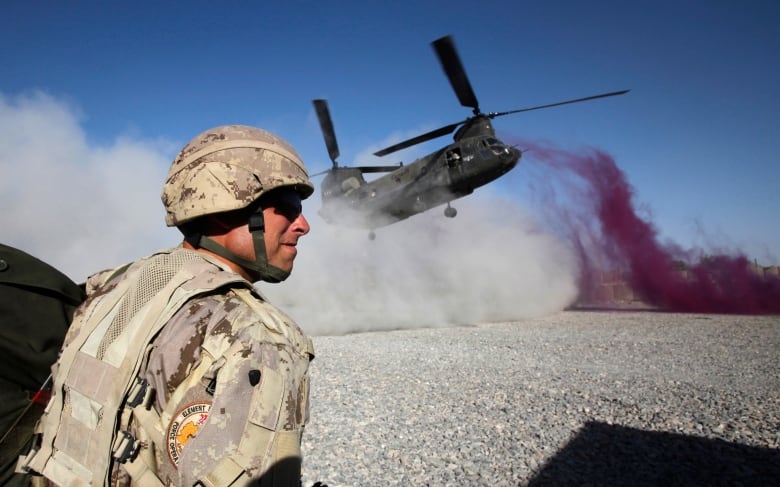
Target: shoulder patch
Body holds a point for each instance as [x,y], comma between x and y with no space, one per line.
[185,426]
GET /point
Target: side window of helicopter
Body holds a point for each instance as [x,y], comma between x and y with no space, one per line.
[349,184]
[453,157]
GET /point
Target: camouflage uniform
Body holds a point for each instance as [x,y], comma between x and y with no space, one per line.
[257,379]
[208,378]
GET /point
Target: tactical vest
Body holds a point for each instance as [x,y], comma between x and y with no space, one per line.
[102,417]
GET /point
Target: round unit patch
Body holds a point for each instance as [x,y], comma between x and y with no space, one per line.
[184,427]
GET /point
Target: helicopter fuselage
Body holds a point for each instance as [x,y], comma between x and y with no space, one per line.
[476,158]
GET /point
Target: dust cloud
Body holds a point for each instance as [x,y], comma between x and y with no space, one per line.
[489,263]
[78,205]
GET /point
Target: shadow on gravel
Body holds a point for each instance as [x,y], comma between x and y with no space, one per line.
[604,455]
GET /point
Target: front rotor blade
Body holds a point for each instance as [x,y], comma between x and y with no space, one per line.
[450,61]
[419,139]
[603,95]
[326,125]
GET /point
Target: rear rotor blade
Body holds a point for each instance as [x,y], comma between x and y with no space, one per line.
[450,62]
[419,139]
[326,125]
[603,95]
[377,168]
[363,169]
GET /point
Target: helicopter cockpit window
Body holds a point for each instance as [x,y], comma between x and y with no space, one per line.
[495,145]
[491,143]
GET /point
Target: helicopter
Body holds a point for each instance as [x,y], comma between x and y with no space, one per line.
[475,158]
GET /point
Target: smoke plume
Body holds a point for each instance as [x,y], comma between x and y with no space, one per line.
[589,201]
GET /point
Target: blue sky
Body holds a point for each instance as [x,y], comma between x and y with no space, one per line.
[696,136]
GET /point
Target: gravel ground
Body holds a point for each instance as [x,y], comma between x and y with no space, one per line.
[577,398]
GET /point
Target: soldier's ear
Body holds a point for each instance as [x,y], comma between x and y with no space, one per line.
[221,223]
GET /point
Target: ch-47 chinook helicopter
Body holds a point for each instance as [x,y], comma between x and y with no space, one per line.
[474,158]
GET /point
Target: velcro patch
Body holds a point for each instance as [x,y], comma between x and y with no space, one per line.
[185,426]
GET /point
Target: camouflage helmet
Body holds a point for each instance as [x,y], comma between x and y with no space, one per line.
[228,168]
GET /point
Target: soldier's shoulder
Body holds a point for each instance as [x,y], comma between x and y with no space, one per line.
[238,315]
[235,308]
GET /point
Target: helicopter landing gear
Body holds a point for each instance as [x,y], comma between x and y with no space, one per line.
[371,235]
[450,212]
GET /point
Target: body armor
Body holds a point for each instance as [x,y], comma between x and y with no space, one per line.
[103,422]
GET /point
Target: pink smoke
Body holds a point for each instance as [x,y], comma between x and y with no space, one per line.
[599,218]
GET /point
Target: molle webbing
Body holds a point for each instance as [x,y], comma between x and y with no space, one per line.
[151,279]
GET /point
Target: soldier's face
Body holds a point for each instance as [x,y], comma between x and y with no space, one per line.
[284,225]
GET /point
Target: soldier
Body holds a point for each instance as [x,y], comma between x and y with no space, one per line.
[176,370]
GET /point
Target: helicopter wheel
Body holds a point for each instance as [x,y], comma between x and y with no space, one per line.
[450,212]
[371,235]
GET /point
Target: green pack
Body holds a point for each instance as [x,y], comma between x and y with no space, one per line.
[36,305]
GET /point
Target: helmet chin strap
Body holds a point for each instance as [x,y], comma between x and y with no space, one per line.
[260,265]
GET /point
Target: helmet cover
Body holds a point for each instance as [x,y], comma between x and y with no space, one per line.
[228,168]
